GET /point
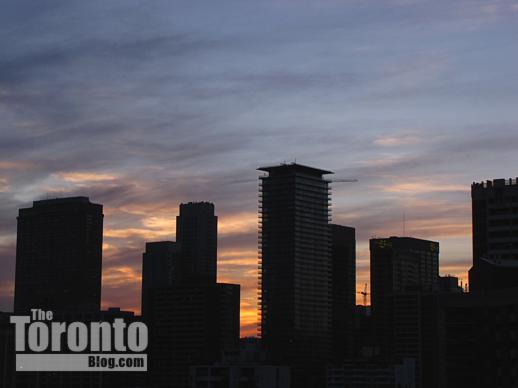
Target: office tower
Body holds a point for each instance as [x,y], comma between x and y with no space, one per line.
[59,256]
[398,265]
[191,318]
[343,272]
[159,265]
[197,234]
[295,262]
[192,324]
[495,228]
[495,219]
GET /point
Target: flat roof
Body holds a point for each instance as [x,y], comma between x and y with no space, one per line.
[294,167]
[61,200]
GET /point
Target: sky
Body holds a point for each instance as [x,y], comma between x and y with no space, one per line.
[142,105]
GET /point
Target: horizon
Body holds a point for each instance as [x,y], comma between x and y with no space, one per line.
[251,319]
[144,106]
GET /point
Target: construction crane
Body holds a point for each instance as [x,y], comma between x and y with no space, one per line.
[364,293]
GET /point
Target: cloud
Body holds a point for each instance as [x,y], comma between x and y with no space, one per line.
[85,178]
[400,139]
[143,106]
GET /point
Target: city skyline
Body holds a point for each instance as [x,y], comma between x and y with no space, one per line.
[249,327]
[144,107]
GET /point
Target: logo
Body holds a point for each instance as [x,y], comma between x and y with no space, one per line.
[44,345]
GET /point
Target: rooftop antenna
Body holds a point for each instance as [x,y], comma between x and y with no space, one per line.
[404,224]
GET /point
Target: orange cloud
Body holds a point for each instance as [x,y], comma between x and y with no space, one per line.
[85,177]
[237,223]
[166,224]
[121,276]
[3,185]
[128,233]
[7,288]
[422,187]
[249,316]
[397,140]
[17,166]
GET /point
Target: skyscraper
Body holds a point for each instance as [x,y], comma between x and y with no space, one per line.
[495,219]
[495,229]
[295,264]
[191,318]
[343,261]
[398,265]
[197,234]
[159,263]
[59,256]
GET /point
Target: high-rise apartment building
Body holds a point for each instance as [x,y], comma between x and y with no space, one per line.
[295,262]
[159,267]
[59,256]
[197,235]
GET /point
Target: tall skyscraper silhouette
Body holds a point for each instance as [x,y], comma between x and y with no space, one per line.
[159,267]
[59,256]
[192,319]
[398,265]
[295,266]
[495,220]
[343,301]
[197,234]
[495,235]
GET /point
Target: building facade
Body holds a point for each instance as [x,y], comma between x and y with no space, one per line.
[197,236]
[495,229]
[295,266]
[59,256]
[343,292]
[159,266]
[190,325]
[398,265]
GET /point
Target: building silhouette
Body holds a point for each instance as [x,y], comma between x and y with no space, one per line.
[495,230]
[59,256]
[192,319]
[366,374]
[189,324]
[495,219]
[448,284]
[159,262]
[477,339]
[197,235]
[343,292]
[242,368]
[493,274]
[295,269]
[398,265]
